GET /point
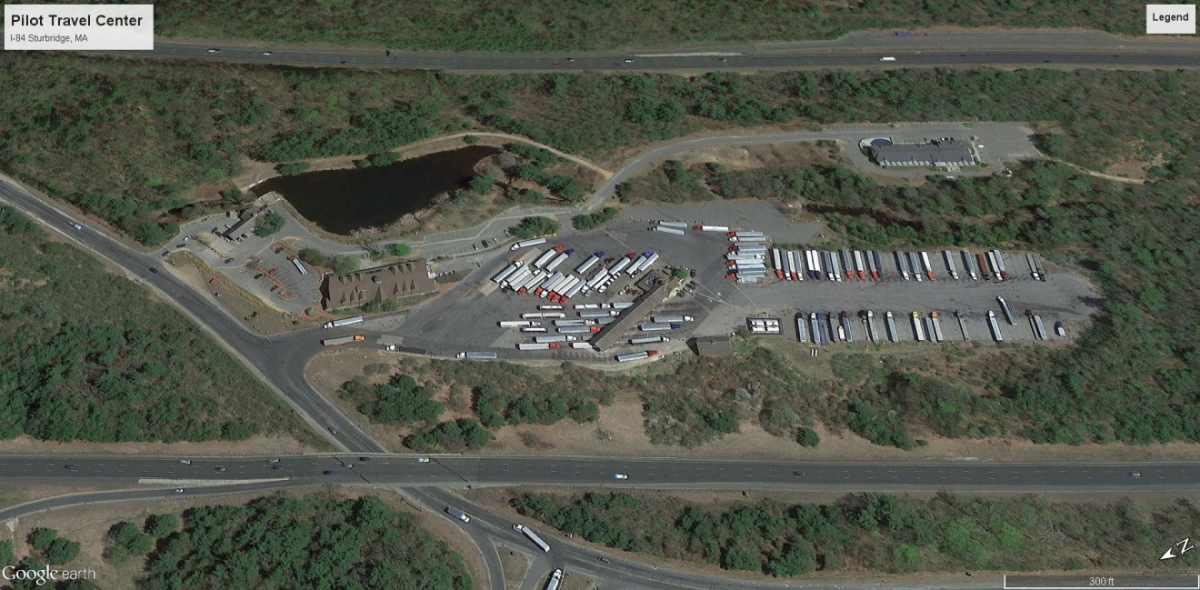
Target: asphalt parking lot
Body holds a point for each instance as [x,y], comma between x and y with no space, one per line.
[467,317]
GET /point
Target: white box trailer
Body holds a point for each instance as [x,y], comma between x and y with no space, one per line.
[668,230]
[949,258]
[720,228]
[678,224]
[558,260]
[527,243]
[587,265]
[546,256]
[505,272]
[648,340]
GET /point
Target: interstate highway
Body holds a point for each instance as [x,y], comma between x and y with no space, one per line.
[457,471]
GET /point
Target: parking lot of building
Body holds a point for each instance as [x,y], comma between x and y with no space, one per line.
[467,318]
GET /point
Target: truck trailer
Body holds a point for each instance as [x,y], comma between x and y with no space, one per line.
[527,243]
[344,322]
[343,340]
[949,258]
[969,266]
[667,319]
[672,230]
[528,532]
[476,356]
[648,340]
[636,356]
[537,346]
[995,326]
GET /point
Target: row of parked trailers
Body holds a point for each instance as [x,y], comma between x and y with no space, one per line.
[868,264]
[826,327]
[542,278]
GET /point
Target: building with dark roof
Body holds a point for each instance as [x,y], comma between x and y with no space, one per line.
[713,346]
[935,153]
[382,283]
[246,216]
[653,297]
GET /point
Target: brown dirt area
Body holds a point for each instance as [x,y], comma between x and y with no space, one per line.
[13,495]
[89,525]
[251,310]
[620,431]
[515,564]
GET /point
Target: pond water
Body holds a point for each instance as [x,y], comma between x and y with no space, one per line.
[341,201]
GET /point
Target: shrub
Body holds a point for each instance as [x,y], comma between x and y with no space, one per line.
[594,220]
[343,263]
[401,250]
[271,223]
[807,437]
[314,257]
[293,168]
[532,227]
[384,158]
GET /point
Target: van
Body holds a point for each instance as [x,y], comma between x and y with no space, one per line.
[459,514]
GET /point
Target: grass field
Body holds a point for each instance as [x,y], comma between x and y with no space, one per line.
[545,25]
[876,533]
[87,355]
[113,136]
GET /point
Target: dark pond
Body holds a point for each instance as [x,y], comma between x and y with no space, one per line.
[341,201]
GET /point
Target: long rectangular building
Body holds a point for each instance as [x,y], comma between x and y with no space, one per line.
[382,283]
[934,153]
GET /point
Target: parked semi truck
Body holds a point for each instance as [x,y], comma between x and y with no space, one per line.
[918,327]
[648,340]
[538,346]
[914,267]
[937,326]
[844,320]
[719,228]
[995,326]
[900,265]
[983,267]
[814,324]
[656,327]
[344,322]
[968,266]
[459,514]
[927,265]
[801,333]
[1008,314]
[476,356]
[343,340]
[1000,264]
[555,580]
[962,325]
[889,322]
[949,257]
[1033,269]
[860,266]
[554,338]
[527,243]
[668,319]
[678,224]
[668,230]
[636,356]
[777,258]
[878,264]
[528,532]
[869,318]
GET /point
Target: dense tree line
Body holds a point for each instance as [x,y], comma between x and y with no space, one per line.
[86,355]
[533,227]
[53,139]
[398,400]
[313,542]
[874,532]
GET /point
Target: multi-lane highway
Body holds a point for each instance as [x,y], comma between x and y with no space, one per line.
[858,50]
[658,473]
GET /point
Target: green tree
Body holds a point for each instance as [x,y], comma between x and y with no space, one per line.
[401,250]
[6,552]
[271,223]
[62,551]
[161,525]
[807,437]
[532,227]
[905,558]
[470,139]
[293,168]
[41,538]
[153,234]
[384,158]
[795,560]
[482,184]
[594,220]
[314,257]
[343,263]
[681,273]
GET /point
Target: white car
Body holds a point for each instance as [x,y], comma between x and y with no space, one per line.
[77,226]
[267,53]
[628,61]
[620,476]
[887,59]
[178,490]
[422,459]
[185,462]
[214,51]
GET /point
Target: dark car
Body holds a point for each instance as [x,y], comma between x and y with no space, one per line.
[71,467]
[328,473]
[604,559]
[797,473]
[332,430]
[154,270]
[364,459]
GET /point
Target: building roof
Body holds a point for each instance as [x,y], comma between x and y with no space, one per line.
[935,153]
[713,346]
[608,337]
[382,283]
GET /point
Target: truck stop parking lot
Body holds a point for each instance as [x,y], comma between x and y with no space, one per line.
[467,319]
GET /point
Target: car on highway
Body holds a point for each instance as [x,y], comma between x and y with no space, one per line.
[267,53]
[153,270]
[178,490]
[214,51]
[364,459]
[276,466]
[620,476]
[887,59]
[1135,474]
[422,459]
[185,461]
[797,473]
[272,460]
[69,467]
[76,226]
[722,59]
[333,431]
[604,559]
[220,470]
[570,59]
[628,60]
[327,472]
